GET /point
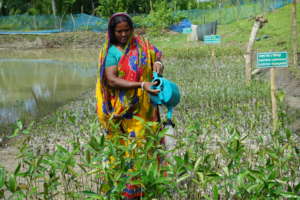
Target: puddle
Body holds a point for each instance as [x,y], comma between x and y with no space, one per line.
[31,87]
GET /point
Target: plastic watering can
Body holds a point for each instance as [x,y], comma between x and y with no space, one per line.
[169,93]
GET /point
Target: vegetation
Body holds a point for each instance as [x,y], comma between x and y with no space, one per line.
[226,148]
[103,7]
[162,14]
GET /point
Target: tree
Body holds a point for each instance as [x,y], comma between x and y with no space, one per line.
[53,7]
[1,7]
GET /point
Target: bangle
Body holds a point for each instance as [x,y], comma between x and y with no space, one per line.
[142,85]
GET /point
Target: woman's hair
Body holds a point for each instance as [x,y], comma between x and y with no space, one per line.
[114,20]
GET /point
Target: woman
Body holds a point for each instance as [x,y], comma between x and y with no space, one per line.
[126,64]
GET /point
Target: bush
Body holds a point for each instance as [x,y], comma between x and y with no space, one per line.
[161,17]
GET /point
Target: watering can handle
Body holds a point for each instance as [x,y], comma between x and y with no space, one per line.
[156,75]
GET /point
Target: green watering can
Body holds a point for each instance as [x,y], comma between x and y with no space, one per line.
[169,93]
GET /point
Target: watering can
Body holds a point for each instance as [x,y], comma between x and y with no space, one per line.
[168,96]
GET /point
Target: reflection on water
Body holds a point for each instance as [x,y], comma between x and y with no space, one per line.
[30,87]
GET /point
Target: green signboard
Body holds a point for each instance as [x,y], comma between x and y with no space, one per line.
[186,30]
[212,39]
[272,59]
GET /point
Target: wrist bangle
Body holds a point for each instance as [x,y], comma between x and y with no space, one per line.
[142,85]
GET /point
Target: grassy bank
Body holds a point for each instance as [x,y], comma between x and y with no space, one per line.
[274,36]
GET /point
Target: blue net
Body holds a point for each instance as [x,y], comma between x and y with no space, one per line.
[43,24]
[83,22]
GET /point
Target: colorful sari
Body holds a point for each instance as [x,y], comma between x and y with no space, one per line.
[126,110]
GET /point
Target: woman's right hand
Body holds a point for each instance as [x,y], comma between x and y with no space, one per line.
[147,86]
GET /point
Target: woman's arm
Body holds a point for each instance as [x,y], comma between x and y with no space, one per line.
[114,81]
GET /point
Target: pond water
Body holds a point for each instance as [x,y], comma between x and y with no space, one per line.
[32,87]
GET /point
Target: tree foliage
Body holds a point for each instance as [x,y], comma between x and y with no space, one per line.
[105,7]
[100,7]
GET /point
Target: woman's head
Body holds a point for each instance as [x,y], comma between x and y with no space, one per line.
[120,28]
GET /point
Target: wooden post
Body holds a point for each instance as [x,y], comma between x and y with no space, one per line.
[294,33]
[273,98]
[213,57]
[259,22]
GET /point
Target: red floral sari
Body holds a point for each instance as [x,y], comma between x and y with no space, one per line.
[119,106]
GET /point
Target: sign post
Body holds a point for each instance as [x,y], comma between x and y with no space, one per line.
[272,60]
[212,39]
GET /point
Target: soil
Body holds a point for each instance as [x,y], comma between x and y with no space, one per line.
[72,40]
[286,79]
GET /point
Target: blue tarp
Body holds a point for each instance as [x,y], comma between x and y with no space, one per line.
[181,25]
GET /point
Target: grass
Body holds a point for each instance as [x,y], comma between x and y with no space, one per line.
[235,36]
[226,148]
[278,30]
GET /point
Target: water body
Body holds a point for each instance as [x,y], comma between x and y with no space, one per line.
[31,87]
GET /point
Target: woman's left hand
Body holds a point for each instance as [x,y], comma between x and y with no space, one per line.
[158,67]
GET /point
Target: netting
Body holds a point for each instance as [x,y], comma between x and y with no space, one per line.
[81,22]
[228,15]
[42,24]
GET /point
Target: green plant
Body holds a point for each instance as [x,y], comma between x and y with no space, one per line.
[160,18]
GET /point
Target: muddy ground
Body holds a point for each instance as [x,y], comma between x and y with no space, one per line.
[58,40]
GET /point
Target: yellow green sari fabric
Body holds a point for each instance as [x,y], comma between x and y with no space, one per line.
[126,110]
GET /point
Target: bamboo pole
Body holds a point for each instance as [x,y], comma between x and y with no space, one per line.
[294,33]
[273,98]
[259,22]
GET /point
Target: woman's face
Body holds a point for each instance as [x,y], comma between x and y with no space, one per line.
[122,32]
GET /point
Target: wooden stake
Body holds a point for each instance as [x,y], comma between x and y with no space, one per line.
[273,98]
[259,22]
[213,57]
